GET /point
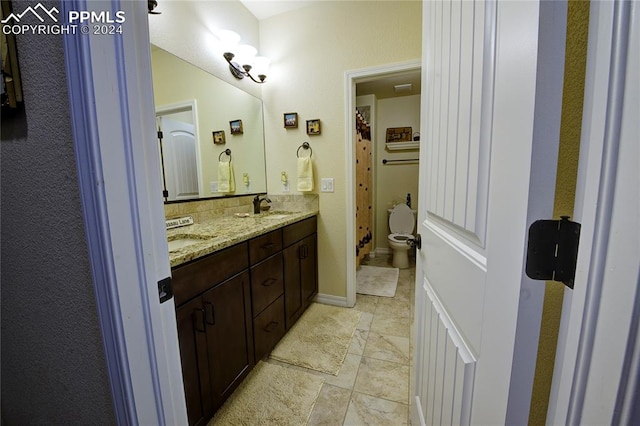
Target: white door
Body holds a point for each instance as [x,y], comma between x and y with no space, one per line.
[180,165]
[490,120]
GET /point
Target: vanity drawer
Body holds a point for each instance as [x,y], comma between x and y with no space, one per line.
[299,230]
[267,283]
[268,328]
[194,278]
[264,246]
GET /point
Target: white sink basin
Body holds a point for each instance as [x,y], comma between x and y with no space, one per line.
[276,216]
[180,243]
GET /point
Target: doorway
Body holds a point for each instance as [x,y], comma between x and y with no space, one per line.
[375,87]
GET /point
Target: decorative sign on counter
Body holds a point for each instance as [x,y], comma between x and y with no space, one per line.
[181,221]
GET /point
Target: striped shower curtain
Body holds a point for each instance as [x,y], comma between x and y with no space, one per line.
[364,188]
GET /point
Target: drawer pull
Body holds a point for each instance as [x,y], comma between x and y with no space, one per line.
[210,313]
[271,326]
[269,282]
[269,246]
[200,320]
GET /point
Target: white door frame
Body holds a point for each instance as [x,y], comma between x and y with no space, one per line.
[577,358]
[351,78]
[112,112]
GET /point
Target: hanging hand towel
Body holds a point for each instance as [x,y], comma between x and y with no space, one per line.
[305,174]
[226,181]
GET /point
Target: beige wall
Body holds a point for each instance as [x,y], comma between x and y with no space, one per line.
[311,49]
[394,181]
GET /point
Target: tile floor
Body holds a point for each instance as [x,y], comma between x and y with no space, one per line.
[372,387]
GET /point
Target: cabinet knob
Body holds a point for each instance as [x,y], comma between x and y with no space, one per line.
[271,326]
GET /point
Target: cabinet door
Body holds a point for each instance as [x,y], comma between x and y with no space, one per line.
[195,368]
[308,269]
[229,335]
[293,302]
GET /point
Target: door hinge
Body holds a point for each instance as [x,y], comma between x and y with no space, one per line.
[552,251]
[160,134]
[165,289]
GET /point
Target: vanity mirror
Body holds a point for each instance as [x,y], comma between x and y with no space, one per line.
[194,110]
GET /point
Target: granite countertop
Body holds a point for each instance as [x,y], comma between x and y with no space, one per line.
[226,231]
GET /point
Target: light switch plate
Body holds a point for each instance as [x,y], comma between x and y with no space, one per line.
[326,185]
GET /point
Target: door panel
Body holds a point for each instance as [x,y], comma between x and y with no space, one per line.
[482,82]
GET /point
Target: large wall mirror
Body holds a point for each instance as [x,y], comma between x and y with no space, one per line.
[202,119]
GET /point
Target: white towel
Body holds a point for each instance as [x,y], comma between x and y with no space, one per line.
[305,174]
[226,181]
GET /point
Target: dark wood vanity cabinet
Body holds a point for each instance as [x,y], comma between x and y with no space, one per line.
[300,268]
[215,329]
[234,306]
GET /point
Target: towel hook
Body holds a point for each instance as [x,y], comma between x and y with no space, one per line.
[226,151]
[304,145]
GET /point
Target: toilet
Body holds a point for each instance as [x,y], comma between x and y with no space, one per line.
[401,224]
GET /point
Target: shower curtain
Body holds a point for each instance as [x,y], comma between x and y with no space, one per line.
[364,188]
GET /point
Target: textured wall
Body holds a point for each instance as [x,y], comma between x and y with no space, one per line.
[570,130]
[311,49]
[53,364]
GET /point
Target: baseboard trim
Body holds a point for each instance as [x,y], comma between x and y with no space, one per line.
[330,299]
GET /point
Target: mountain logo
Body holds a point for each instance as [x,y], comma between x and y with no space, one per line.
[34,11]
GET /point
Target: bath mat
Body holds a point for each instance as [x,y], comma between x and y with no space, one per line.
[320,339]
[377,281]
[271,395]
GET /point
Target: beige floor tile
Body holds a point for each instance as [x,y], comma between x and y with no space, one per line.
[366,303]
[358,341]
[365,321]
[331,406]
[395,325]
[383,379]
[347,375]
[369,410]
[387,348]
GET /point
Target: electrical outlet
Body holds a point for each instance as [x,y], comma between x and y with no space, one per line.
[326,185]
[285,186]
[214,186]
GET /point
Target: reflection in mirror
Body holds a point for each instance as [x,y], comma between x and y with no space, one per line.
[194,112]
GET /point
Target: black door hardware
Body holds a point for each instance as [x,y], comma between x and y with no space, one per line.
[552,251]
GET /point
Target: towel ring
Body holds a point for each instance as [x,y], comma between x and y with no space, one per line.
[305,145]
[226,151]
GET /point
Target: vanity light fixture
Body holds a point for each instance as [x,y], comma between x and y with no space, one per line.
[242,58]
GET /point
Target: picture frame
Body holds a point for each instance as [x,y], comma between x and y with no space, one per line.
[236,127]
[290,120]
[218,137]
[313,127]
[399,134]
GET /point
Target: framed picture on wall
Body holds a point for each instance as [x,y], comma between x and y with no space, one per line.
[290,120]
[218,137]
[313,127]
[236,127]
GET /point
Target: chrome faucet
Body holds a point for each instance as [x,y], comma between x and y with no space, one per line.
[257,201]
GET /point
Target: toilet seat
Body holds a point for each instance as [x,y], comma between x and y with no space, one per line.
[401,223]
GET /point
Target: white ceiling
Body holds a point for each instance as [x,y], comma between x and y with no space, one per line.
[262,9]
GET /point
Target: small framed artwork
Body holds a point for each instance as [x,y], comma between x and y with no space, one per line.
[218,137]
[290,120]
[236,127]
[313,127]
